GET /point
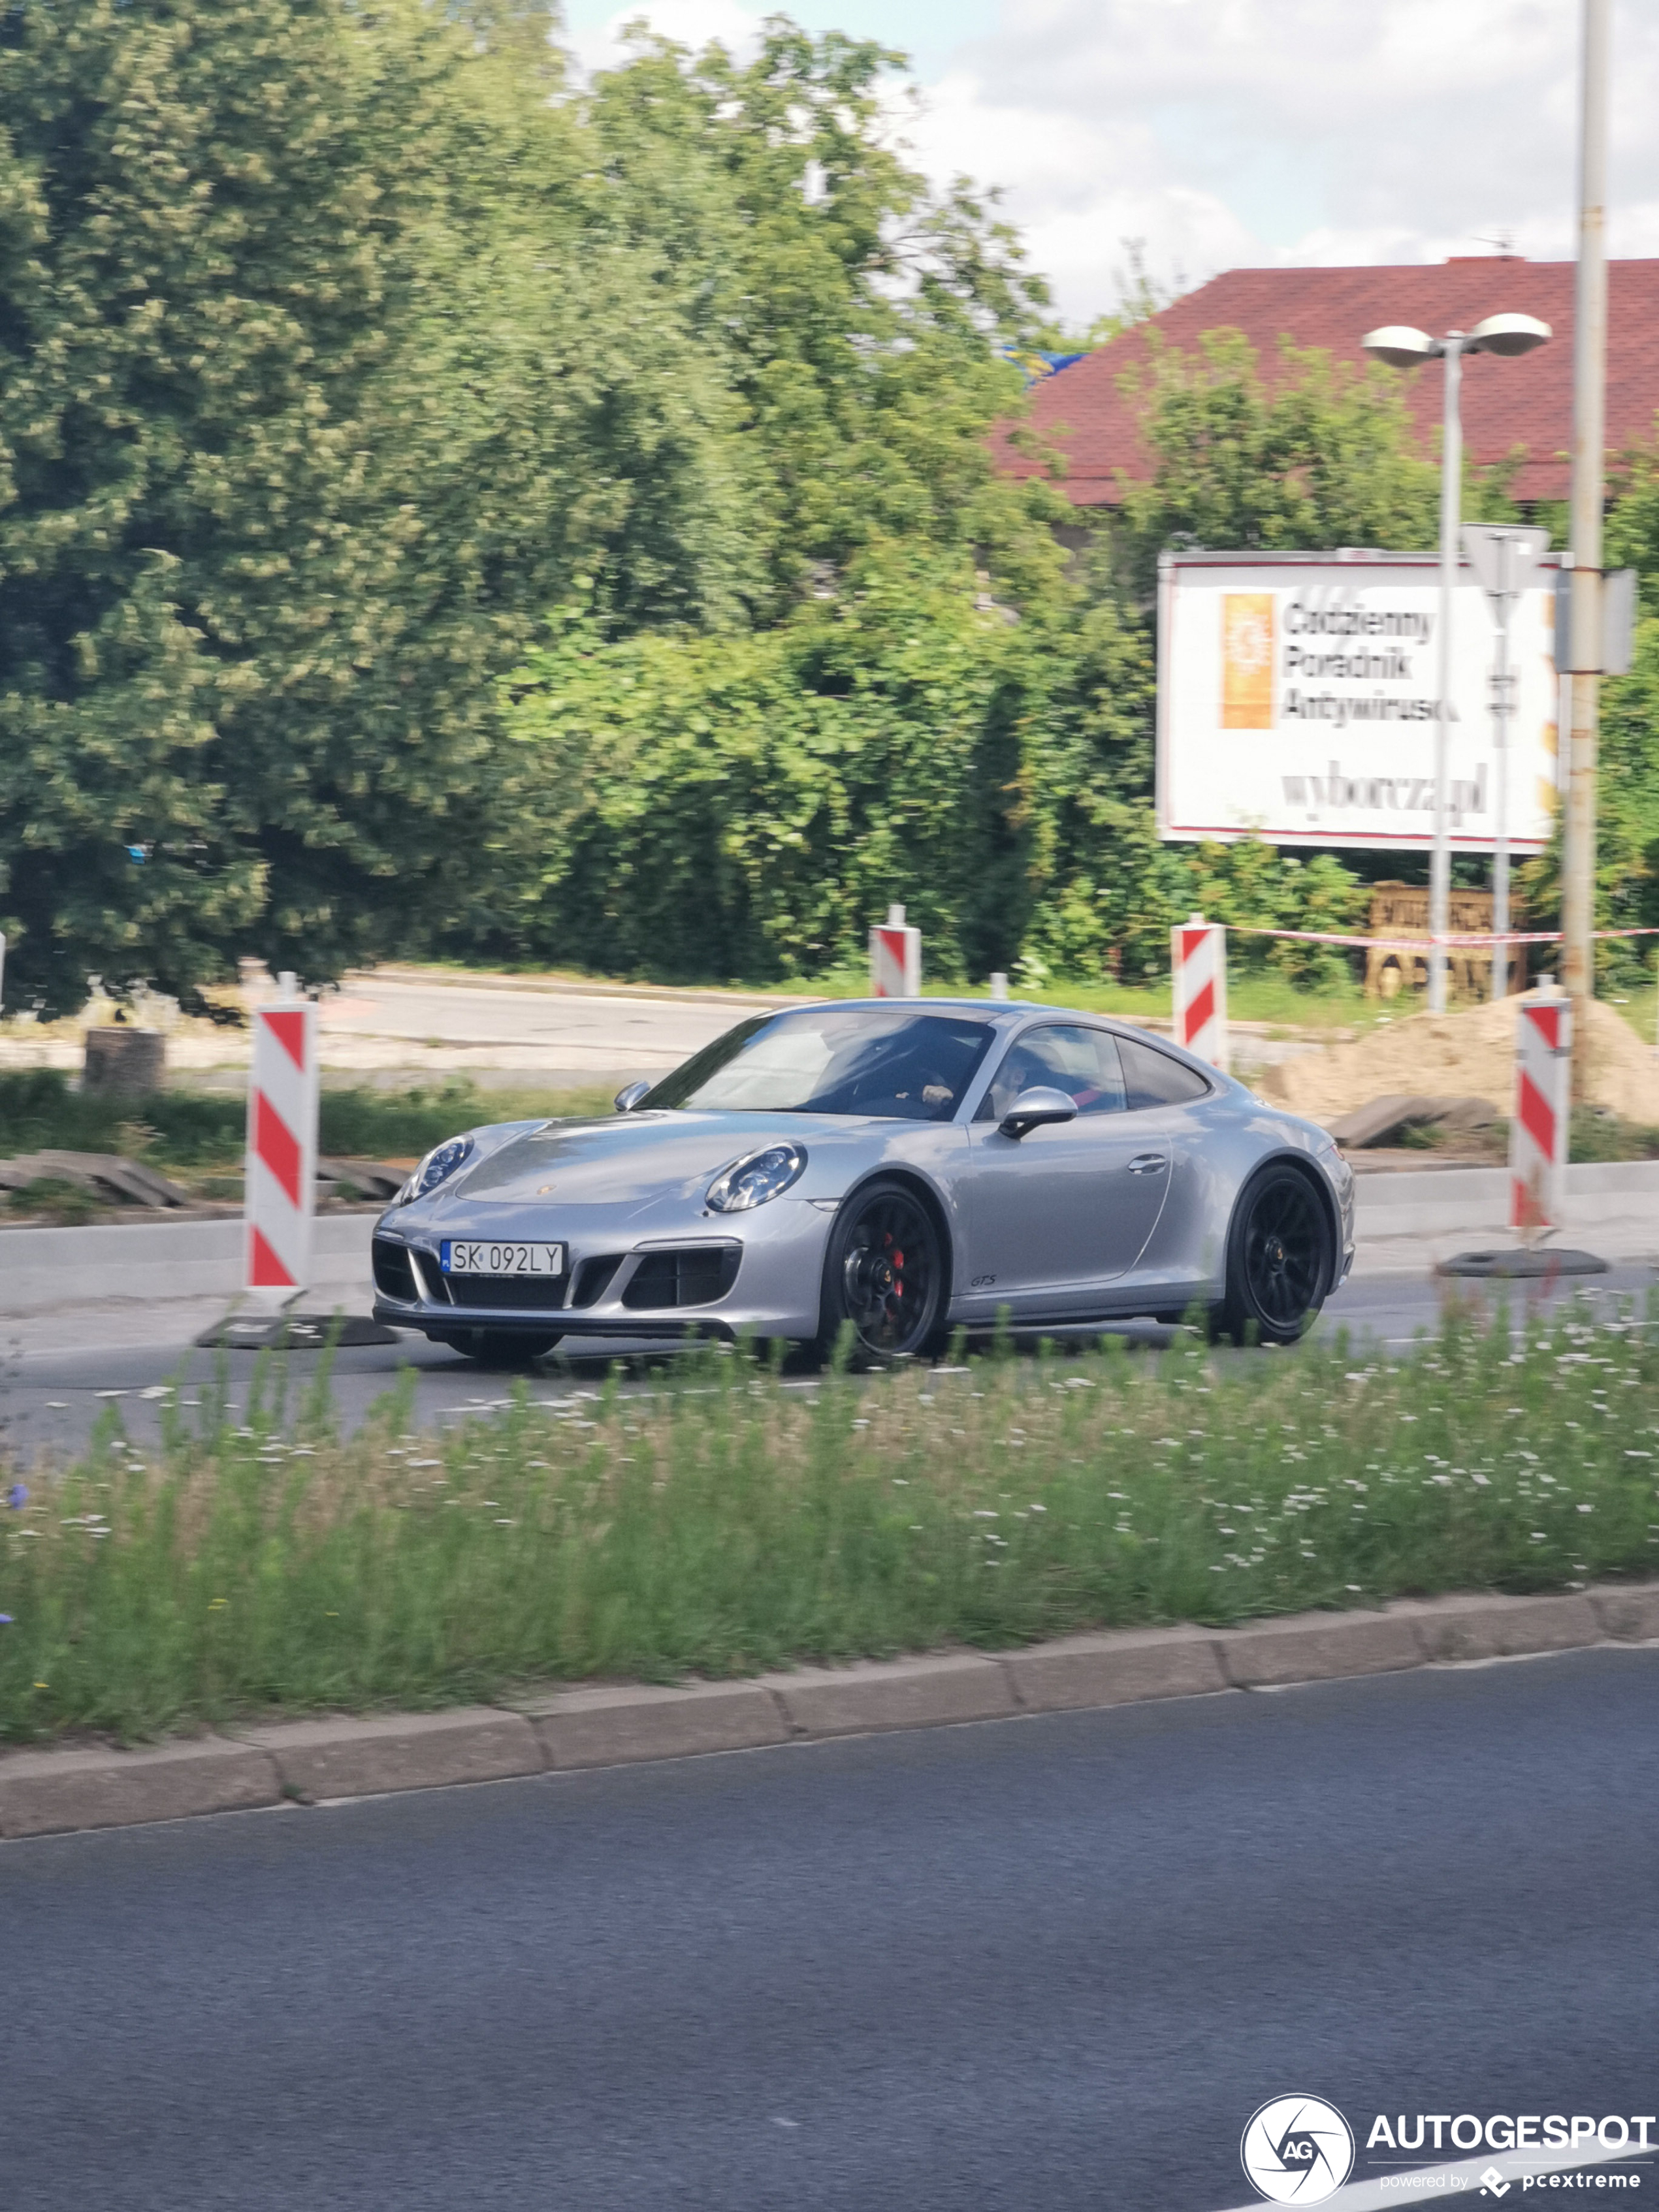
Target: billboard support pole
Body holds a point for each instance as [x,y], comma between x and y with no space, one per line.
[1504,560]
[1500,862]
[1451,496]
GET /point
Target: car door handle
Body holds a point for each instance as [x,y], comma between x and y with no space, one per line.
[1148,1164]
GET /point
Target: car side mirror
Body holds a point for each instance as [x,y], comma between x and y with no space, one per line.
[630,1096]
[1034,1109]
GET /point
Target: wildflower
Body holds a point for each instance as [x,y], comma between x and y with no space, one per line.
[17,1497]
[5,1620]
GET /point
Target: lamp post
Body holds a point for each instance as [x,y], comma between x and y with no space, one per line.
[1402,347]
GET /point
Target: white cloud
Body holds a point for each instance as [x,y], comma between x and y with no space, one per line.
[1269,131]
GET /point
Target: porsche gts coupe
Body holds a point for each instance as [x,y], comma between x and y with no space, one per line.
[899,1168]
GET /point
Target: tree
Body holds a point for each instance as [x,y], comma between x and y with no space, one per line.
[854,314]
[294,396]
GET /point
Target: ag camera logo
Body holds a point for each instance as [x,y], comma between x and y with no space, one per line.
[1297,2150]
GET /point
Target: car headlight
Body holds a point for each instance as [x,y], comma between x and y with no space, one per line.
[439,1164]
[754,1180]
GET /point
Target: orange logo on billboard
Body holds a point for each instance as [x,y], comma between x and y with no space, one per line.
[1247,660]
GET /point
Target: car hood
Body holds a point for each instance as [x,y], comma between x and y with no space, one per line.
[634,1162]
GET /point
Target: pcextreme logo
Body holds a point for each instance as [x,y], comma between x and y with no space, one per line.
[1297,2150]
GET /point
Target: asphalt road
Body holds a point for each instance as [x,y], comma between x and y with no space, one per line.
[1051,1963]
[54,1389]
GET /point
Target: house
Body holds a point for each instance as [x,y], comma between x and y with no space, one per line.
[1526,404]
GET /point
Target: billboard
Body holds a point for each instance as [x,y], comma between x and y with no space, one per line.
[1297,698]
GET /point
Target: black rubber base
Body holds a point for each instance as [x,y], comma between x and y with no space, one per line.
[1544,1264]
[293,1332]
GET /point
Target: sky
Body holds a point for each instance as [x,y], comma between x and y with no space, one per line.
[1233,133]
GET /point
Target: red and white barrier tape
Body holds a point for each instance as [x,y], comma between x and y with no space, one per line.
[1466,939]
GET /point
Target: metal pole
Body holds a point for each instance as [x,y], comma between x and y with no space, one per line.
[1451,488]
[1590,371]
[1500,708]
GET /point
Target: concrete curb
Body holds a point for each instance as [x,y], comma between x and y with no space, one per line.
[361,1757]
[43,1792]
[53,1268]
[1456,1202]
[53,1792]
[893,1693]
[615,1727]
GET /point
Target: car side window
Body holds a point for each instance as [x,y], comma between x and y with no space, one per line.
[1060,1056]
[1151,1077]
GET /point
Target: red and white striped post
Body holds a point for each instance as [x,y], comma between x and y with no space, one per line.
[281,1180]
[895,958]
[1198,960]
[1543,1102]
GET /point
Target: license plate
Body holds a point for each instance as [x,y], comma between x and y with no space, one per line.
[459,1259]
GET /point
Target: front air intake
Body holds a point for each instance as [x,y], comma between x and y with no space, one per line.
[393,1276]
[682,1276]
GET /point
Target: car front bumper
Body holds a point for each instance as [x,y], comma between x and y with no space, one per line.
[775,1269]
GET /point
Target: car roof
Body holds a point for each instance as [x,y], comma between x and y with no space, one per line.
[987,1010]
[1001,1013]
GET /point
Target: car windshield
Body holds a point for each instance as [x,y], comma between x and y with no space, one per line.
[834,1060]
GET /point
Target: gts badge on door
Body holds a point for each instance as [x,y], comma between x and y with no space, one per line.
[981,1282]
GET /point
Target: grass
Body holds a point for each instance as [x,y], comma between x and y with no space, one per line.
[186,1130]
[53,1199]
[729,1519]
[1597,1133]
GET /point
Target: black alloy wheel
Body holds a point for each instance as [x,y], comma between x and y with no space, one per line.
[497,1348]
[885,1273]
[1280,1260]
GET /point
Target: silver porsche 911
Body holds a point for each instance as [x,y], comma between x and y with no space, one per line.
[895,1168]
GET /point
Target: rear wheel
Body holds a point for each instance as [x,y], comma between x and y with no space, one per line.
[1280,1256]
[497,1348]
[884,1272]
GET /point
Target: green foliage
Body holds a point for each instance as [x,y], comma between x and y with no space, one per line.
[341,344]
[848,314]
[53,1199]
[743,806]
[1599,1135]
[726,1522]
[1313,455]
[1628,828]
[39,1111]
[255,563]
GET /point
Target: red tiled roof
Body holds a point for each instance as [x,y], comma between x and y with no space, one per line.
[1506,403]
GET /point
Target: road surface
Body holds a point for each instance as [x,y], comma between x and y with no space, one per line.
[1049,1965]
[55,1389]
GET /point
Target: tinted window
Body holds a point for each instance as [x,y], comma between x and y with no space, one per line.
[1152,1079]
[834,1060]
[1083,1063]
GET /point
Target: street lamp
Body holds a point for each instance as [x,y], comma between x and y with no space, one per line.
[1402,347]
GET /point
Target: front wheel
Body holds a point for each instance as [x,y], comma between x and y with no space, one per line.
[1279,1257]
[497,1348]
[884,1272]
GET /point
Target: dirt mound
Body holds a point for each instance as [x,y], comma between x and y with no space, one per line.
[1471,1053]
